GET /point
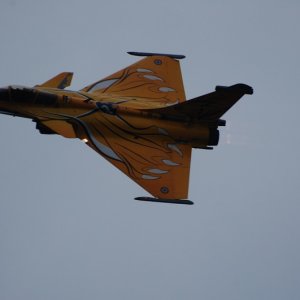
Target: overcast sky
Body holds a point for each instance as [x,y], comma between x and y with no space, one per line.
[69,227]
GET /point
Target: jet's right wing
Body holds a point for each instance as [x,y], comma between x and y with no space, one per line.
[146,153]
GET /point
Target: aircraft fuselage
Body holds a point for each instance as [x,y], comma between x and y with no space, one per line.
[137,118]
[49,104]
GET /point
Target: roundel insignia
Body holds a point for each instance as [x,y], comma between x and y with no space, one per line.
[164,189]
[158,61]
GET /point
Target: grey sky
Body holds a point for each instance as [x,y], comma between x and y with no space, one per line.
[69,228]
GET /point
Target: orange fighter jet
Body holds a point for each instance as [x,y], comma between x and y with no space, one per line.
[138,119]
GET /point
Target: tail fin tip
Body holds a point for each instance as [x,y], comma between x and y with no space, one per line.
[239,87]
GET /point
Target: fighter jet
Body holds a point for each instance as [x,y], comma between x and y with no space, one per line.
[137,118]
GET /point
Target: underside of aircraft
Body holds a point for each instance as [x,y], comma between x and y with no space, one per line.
[137,118]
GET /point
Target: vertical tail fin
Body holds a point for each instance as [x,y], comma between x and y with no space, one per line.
[60,81]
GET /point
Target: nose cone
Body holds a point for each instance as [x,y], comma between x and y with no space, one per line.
[4,94]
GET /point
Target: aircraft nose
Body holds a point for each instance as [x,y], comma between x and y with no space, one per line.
[4,94]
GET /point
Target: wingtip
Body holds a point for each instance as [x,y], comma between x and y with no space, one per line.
[247,89]
[173,201]
[176,56]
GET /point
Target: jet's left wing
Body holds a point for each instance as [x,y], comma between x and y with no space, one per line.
[152,82]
